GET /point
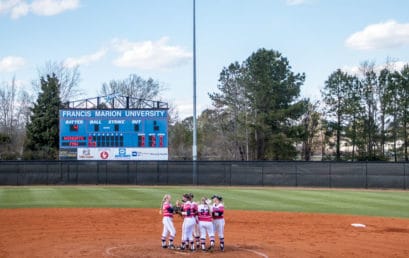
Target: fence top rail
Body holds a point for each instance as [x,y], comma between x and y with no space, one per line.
[203,161]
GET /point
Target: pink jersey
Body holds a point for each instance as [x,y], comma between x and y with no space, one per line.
[218,211]
[189,209]
[194,208]
[204,213]
[167,210]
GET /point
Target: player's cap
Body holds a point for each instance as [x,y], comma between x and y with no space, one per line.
[187,196]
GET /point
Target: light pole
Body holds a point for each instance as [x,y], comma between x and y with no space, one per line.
[194,147]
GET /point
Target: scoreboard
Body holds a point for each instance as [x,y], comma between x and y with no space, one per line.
[114,134]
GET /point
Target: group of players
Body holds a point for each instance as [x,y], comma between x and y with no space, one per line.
[199,220]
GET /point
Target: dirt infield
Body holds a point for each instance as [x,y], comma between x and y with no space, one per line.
[136,233]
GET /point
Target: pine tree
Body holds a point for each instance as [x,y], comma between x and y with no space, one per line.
[335,95]
[42,130]
[259,107]
[273,91]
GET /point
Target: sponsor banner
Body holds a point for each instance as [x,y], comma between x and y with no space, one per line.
[68,154]
[122,154]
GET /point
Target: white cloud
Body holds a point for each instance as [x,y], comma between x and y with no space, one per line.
[393,66]
[389,34]
[6,5]
[19,8]
[353,70]
[53,7]
[21,84]
[84,60]
[295,2]
[185,108]
[150,55]
[11,63]
[146,55]
[399,65]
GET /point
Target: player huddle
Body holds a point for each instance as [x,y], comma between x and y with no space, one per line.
[199,220]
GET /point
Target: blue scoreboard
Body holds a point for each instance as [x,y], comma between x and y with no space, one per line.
[114,134]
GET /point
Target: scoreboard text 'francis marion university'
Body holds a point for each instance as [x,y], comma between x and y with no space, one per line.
[114,134]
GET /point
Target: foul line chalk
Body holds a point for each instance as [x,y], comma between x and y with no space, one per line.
[182,253]
[109,250]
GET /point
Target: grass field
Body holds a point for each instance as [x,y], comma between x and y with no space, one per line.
[355,202]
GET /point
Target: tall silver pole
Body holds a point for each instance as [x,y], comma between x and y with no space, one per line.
[194,147]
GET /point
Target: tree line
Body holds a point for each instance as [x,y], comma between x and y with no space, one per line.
[257,113]
[369,112]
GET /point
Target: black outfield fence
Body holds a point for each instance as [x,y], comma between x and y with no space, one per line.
[216,173]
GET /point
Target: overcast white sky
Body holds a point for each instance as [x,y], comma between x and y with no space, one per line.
[153,38]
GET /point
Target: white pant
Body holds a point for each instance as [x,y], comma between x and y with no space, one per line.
[218,226]
[168,227]
[187,229]
[206,227]
[196,230]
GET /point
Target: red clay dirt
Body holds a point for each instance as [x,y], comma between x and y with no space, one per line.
[113,232]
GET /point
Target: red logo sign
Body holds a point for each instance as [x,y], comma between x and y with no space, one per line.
[104,155]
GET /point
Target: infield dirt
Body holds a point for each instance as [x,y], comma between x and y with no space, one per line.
[72,232]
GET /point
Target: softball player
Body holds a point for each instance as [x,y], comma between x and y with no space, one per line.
[196,230]
[218,218]
[168,227]
[188,213]
[205,223]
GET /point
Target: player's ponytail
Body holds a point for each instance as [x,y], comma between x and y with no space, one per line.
[164,199]
[206,202]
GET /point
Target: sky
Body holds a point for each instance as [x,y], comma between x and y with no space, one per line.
[109,40]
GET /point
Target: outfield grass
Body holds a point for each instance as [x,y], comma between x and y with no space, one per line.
[366,202]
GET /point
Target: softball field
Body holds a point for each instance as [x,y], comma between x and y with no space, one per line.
[100,221]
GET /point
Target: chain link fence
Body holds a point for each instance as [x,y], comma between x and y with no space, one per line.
[215,173]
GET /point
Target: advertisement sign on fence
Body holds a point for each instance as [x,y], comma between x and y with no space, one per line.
[122,154]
